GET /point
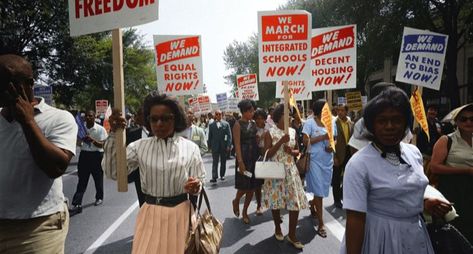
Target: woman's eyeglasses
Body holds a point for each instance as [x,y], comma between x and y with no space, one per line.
[464,119]
[164,118]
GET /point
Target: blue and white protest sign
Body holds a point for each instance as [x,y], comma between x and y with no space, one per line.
[422,57]
[222,101]
[46,92]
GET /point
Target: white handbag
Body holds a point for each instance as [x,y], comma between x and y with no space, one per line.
[269,169]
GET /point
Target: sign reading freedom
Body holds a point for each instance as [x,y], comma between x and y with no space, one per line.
[92,16]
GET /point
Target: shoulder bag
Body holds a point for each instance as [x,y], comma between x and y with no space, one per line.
[303,163]
[205,235]
[269,169]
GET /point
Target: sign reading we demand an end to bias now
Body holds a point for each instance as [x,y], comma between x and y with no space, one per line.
[422,57]
[91,16]
[334,58]
[248,87]
[284,45]
[179,64]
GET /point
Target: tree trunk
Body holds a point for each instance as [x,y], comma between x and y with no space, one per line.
[451,81]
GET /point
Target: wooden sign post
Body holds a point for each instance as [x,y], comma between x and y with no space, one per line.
[286,107]
[119,99]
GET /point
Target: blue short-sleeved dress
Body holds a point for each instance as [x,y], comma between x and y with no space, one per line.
[392,198]
[319,176]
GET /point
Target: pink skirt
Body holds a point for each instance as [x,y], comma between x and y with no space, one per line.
[161,229]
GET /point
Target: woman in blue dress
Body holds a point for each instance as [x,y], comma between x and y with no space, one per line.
[384,184]
[319,176]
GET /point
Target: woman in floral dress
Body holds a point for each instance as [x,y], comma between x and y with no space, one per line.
[287,193]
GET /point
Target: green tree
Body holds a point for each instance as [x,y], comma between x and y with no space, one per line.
[242,58]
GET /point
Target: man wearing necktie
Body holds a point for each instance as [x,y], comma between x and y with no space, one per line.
[220,142]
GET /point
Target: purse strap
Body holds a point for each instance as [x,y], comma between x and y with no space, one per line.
[307,149]
[203,195]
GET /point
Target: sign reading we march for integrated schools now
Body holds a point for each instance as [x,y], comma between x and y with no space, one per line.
[91,16]
[422,57]
[247,87]
[179,64]
[284,45]
[334,58]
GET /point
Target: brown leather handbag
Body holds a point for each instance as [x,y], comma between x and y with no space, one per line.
[303,163]
[205,235]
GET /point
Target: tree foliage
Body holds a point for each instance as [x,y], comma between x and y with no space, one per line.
[80,68]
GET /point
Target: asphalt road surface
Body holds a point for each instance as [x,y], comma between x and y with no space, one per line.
[109,228]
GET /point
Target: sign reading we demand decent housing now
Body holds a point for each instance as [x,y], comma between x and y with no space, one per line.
[284,45]
[334,58]
[91,16]
[179,64]
[422,57]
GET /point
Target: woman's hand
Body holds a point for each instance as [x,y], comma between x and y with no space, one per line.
[241,167]
[437,207]
[192,186]
[329,149]
[116,120]
[285,138]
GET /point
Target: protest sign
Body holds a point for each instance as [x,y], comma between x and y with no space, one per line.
[297,88]
[418,111]
[422,57]
[248,87]
[341,100]
[194,105]
[233,105]
[222,101]
[46,92]
[326,119]
[204,104]
[354,101]
[284,45]
[179,64]
[91,16]
[101,107]
[333,58]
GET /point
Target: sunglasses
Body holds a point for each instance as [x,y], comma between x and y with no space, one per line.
[164,118]
[464,119]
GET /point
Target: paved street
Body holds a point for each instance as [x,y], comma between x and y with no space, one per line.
[109,228]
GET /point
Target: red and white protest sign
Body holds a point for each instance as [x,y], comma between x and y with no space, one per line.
[193,104]
[299,90]
[334,58]
[92,16]
[179,64]
[204,104]
[101,107]
[248,87]
[284,45]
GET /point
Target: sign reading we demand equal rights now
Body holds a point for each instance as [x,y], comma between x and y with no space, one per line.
[284,45]
[91,16]
[422,57]
[179,64]
[334,58]
[248,87]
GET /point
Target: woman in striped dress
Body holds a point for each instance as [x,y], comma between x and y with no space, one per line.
[171,169]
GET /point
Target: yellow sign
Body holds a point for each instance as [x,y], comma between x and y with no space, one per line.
[418,111]
[354,101]
[328,122]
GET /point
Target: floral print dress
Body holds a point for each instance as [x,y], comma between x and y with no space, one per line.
[287,193]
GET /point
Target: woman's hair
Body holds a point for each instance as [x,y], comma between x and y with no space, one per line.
[246,105]
[156,98]
[318,106]
[260,113]
[278,112]
[391,97]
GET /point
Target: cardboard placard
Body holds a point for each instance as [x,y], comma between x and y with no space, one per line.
[222,101]
[248,87]
[354,101]
[46,92]
[284,45]
[179,64]
[101,107]
[92,16]
[422,58]
[204,104]
[327,120]
[333,58]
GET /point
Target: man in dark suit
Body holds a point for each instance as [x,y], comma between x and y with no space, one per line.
[220,141]
[342,152]
[132,135]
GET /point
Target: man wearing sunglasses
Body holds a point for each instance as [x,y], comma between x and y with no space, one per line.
[38,141]
[220,142]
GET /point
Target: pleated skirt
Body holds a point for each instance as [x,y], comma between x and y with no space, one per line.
[161,229]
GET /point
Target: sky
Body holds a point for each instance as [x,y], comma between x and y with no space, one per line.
[218,22]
